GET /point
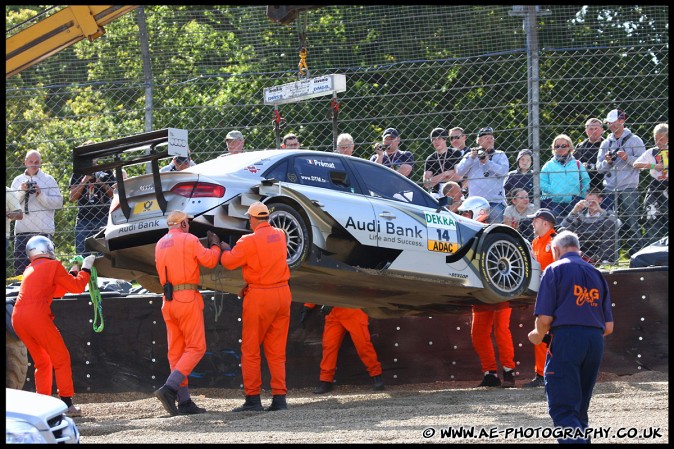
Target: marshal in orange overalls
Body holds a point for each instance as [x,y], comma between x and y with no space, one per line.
[338,322]
[266,305]
[33,322]
[497,317]
[541,247]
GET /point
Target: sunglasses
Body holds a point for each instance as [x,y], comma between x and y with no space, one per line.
[560,147]
[455,137]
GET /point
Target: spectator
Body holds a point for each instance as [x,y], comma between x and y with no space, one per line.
[522,176]
[596,227]
[235,142]
[290,142]
[453,190]
[543,223]
[33,321]
[266,306]
[457,140]
[516,215]
[564,180]
[485,168]
[391,156]
[178,255]
[339,321]
[93,194]
[656,202]
[440,164]
[345,144]
[41,197]
[476,208]
[578,323]
[587,151]
[12,212]
[621,179]
[179,163]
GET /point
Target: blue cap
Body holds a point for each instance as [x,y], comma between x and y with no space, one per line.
[390,132]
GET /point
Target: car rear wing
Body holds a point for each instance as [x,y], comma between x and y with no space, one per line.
[88,159]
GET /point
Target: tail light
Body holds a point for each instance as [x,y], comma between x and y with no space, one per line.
[198,190]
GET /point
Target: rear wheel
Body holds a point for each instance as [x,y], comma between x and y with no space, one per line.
[16,362]
[505,267]
[298,238]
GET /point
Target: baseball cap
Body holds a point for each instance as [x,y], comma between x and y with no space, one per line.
[439,132]
[234,135]
[486,131]
[390,132]
[175,216]
[524,153]
[545,214]
[615,114]
[258,210]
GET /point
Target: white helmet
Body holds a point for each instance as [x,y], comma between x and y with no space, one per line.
[40,246]
[477,206]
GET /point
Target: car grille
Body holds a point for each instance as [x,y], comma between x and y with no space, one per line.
[64,430]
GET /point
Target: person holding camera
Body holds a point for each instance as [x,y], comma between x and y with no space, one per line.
[387,153]
[178,256]
[178,163]
[485,168]
[93,194]
[621,179]
[587,151]
[40,197]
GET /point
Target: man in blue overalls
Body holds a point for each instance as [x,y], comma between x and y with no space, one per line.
[574,304]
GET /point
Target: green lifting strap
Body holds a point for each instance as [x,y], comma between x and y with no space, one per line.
[94,294]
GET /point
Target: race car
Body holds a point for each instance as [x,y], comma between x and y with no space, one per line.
[359,234]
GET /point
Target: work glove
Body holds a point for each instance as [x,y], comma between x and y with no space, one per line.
[213,239]
[88,262]
[325,310]
[303,315]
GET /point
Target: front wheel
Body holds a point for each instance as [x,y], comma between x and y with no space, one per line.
[505,267]
[297,233]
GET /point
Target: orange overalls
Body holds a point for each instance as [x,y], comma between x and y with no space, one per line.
[266,305]
[33,322]
[541,247]
[180,254]
[339,321]
[486,317]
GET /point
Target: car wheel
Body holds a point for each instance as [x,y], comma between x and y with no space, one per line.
[285,217]
[16,362]
[505,266]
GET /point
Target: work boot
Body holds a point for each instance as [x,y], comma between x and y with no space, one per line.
[190,408]
[73,412]
[538,381]
[278,402]
[168,396]
[323,387]
[490,380]
[377,383]
[508,379]
[252,404]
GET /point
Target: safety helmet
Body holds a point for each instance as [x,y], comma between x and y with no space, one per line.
[40,246]
[477,206]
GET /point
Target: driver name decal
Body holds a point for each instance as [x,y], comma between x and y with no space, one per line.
[442,236]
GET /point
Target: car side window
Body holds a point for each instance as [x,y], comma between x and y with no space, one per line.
[382,182]
[322,171]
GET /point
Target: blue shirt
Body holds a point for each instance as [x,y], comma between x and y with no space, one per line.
[574,293]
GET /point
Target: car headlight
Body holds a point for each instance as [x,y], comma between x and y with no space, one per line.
[21,432]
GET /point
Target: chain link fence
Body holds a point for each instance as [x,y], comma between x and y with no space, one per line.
[530,73]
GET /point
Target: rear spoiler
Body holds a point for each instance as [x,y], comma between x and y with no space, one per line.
[84,156]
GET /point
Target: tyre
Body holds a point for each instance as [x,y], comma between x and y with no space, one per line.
[505,267]
[16,362]
[298,238]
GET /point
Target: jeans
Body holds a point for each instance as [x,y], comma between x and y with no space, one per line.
[627,209]
[85,228]
[496,213]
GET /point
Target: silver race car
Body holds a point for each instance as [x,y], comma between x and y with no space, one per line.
[359,234]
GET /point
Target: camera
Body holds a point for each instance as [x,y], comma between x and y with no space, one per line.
[31,187]
[102,176]
[481,154]
[613,155]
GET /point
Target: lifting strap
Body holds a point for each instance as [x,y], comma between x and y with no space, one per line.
[94,294]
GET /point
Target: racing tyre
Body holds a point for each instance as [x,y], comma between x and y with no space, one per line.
[505,267]
[298,238]
[16,362]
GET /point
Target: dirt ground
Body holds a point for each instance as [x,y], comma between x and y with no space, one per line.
[630,409]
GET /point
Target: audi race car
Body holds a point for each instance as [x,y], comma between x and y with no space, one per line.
[359,234]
